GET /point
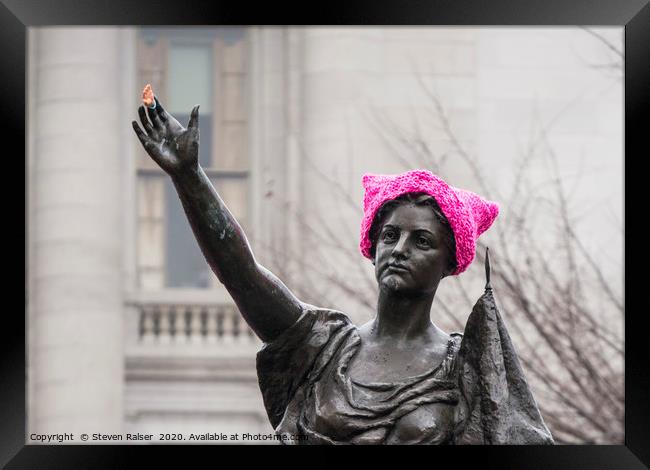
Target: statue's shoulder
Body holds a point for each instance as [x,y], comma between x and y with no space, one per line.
[325,315]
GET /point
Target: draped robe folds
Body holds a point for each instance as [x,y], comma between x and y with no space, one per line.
[479,391]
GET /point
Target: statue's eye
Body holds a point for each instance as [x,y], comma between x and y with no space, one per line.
[389,236]
[423,241]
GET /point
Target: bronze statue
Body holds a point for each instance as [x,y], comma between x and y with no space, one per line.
[398,379]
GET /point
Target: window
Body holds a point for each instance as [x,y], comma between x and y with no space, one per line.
[188,67]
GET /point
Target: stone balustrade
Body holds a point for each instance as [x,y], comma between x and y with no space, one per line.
[172,323]
[186,318]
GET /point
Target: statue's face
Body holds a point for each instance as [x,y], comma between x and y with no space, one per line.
[410,256]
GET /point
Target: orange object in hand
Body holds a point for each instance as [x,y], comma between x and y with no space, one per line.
[147,97]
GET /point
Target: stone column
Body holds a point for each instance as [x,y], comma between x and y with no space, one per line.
[268,104]
[75,317]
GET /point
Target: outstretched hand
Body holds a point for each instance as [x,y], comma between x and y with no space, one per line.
[173,147]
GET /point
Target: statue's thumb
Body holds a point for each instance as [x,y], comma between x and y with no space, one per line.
[194,146]
[194,118]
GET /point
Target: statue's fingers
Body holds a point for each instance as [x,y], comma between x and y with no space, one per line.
[145,122]
[194,118]
[145,140]
[160,111]
[155,119]
[150,146]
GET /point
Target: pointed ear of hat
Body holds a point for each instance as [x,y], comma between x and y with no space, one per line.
[368,179]
[371,183]
[372,186]
[483,211]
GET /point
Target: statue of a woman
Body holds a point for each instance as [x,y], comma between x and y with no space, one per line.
[398,379]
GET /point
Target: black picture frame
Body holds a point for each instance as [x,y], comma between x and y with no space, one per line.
[634,15]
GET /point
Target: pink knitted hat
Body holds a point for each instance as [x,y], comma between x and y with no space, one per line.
[468,214]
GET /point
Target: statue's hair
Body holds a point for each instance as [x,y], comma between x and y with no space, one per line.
[418,199]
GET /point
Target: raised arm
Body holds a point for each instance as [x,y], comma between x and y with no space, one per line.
[264,301]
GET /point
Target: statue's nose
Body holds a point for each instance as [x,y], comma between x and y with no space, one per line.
[400,250]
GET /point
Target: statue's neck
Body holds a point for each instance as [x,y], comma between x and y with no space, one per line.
[402,317]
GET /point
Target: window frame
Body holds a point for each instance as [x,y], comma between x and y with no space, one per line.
[146,168]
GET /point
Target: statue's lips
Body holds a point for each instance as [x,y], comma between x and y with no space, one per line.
[397,268]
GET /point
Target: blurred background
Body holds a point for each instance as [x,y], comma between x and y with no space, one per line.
[129,330]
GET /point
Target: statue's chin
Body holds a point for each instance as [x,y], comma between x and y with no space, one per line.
[394,285]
